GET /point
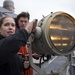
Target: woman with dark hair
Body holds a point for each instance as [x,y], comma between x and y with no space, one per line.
[10,42]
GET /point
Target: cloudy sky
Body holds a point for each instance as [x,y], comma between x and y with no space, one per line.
[37,8]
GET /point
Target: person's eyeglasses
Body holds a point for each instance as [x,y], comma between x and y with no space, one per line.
[23,21]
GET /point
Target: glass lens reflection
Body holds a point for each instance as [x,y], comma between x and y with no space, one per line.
[62,33]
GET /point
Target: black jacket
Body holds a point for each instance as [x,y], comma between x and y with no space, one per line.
[10,62]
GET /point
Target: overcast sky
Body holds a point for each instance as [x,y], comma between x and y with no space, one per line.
[37,8]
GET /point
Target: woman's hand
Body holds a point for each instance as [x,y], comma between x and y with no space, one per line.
[31,26]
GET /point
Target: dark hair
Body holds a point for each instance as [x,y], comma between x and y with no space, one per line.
[2,20]
[23,14]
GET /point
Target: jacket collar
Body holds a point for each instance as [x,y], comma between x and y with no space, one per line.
[1,37]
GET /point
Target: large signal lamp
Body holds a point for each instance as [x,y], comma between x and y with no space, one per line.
[55,34]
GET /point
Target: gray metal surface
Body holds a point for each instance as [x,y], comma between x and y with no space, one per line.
[54,65]
[72,67]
